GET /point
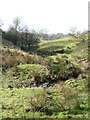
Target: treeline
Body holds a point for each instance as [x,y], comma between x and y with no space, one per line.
[20,35]
[45,36]
[21,39]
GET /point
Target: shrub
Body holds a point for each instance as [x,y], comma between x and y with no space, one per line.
[8,61]
[35,59]
[63,69]
[12,57]
[36,71]
[61,98]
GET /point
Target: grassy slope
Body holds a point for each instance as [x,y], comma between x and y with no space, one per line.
[23,106]
[79,49]
[51,45]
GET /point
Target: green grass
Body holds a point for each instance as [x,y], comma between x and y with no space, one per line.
[51,45]
[17,102]
[77,47]
[64,100]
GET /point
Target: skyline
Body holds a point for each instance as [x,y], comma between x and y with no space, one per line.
[57,16]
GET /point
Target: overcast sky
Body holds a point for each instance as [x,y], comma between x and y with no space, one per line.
[57,16]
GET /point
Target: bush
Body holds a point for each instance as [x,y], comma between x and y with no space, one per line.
[8,61]
[63,70]
[36,71]
[61,98]
[13,57]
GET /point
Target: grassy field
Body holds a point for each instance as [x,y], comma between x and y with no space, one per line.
[50,84]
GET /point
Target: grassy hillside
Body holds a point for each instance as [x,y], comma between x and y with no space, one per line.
[52,82]
[77,49]
[6,43]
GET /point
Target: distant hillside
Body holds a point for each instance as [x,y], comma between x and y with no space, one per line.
[68,45]
[6,43]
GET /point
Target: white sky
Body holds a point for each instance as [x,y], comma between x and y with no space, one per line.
[57,16]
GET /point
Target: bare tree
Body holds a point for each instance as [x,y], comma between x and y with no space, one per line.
[16,23]
[78,35]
